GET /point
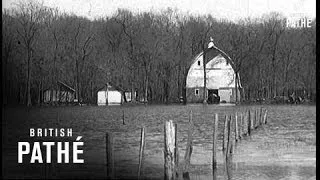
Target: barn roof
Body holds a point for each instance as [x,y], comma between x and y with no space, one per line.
[213,52]
[210,54]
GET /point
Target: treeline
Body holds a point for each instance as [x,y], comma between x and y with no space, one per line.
[147,52]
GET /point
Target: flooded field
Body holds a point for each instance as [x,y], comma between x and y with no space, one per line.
[284,148]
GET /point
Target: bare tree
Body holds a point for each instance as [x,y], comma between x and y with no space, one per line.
[30,15]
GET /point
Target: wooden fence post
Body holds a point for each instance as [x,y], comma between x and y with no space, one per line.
[225,134]
[141,152]
[176,155]
[255,119]
[170,150]
[265,117]
[228,149]
[236,133]
[123,118]
[245,123]
[249,123]
[252,120]
[258,118]
[214,142]
[187,155]
[109,155]
[258,115]
[241,126]
[260,122]
[235,138]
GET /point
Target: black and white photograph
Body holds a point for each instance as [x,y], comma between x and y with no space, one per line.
[159,89]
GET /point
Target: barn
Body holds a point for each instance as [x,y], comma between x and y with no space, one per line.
[220,78]
[109,95]
[61,94]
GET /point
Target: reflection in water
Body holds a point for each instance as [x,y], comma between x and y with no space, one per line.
[186,176]
[214,174]
[228,167]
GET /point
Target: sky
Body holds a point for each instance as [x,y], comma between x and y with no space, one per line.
[225,9]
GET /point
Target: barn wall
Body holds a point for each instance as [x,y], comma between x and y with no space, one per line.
[220,75]
[191,97]
[230,92]
[225,94]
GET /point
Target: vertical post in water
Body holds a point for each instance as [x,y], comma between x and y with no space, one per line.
[265,117]
[228,149]
[233,140]
[187,155]
[249,123]
[260,117]
[189,141]
[225,134]
[214,142]
[255,119]
[123,118]
[245,121]
[169,150]
[141,152]
[241,126]
[236,133]
[109,155]
[252,121]
[176,155]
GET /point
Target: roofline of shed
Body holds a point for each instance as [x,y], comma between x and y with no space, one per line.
[66,85]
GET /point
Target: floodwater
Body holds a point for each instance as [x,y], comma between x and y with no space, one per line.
[284,148]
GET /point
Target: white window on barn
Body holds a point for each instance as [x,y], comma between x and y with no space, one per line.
[198,63]
[196,92]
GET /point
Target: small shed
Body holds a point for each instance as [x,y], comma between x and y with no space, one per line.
[109,95]
[62,93]
[129,97]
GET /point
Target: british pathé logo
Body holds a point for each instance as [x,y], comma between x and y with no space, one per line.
[298,21]
[35,150]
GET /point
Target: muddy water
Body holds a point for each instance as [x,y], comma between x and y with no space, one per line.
[284,148]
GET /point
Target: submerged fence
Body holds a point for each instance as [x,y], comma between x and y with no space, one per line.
[235,129]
